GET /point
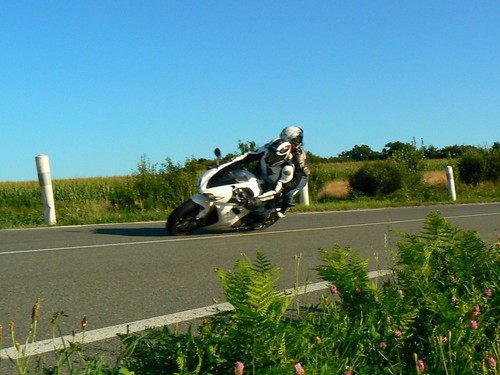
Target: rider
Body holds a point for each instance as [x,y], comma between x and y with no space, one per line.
[282,167]
[295,136]
[275,168]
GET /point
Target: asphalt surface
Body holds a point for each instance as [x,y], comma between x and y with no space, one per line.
[119,273]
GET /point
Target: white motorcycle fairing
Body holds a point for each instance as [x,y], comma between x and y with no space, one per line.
[225,199]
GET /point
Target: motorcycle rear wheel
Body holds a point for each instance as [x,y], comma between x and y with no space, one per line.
[182,220]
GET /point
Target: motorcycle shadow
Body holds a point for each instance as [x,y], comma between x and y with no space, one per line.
[133,232]
[158,232]
[205,231]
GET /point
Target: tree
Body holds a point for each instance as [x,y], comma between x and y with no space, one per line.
[358,153]
[246,146]
[392,147]
[432,152]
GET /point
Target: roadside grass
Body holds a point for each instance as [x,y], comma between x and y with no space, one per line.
[437,314]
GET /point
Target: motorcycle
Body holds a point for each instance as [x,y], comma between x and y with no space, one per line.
[222,202]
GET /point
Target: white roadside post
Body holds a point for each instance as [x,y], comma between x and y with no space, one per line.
[304,195]
[451,182]
[45,180]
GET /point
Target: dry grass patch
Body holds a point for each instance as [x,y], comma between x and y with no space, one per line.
[435,178]
[334,189]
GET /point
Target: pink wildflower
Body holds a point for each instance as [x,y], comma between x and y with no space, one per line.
[475,312]
[383,345]
[488,292]
[492,362]
[442,339]
[454,299]
[238,368]
[420,366]
[299,370]
[398,333]
[473,324]
[348,372]
[334,289]
[453,279]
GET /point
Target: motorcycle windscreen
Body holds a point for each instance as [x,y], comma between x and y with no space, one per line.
[230,175]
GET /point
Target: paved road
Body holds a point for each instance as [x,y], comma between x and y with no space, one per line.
[121,273]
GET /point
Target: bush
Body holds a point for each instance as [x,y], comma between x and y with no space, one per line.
[164,187]
[493,165]
[479,165]
[378,178]
[472,167]
[410,161]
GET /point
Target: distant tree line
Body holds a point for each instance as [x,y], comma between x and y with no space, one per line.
[365,153]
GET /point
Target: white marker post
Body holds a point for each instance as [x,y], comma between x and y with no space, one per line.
[43,169]
[304,195]
[451,182]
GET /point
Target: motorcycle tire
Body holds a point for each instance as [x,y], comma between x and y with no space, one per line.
[273,218]
[182,220]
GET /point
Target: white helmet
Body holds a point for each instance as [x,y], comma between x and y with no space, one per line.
[278,151]
[293,134]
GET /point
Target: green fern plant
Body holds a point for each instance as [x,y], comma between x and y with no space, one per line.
[256,331]
[445,273]
[347,273]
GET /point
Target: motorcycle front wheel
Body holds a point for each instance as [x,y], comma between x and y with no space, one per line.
[182,220]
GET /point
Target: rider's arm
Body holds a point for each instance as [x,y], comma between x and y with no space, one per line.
[300,162]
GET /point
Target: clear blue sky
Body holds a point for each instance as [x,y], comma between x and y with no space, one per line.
[97,84]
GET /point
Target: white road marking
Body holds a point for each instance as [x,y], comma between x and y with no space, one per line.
[46,346]
[234,235]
